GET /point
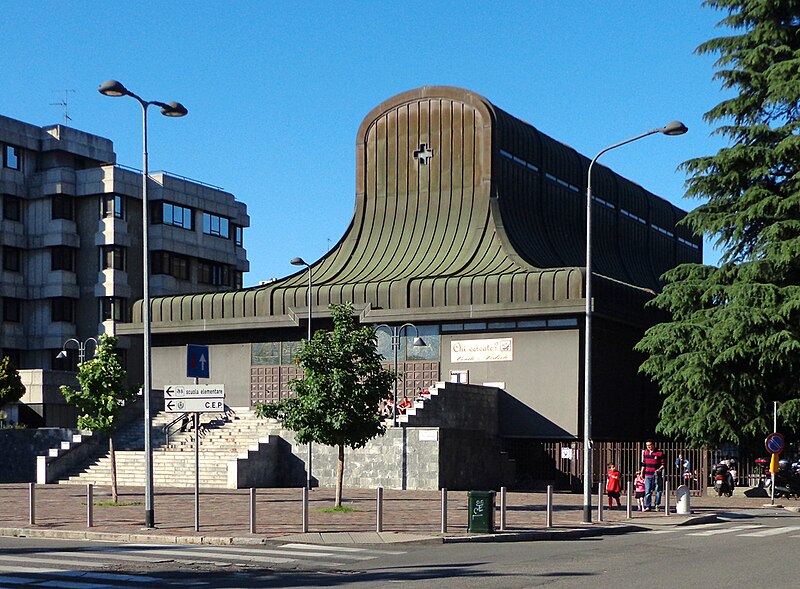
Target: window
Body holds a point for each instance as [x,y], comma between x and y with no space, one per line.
[113,206]
[113,309]
[215,274]
[12,310]
[11,157]
[238,235]
[172,214]
[62,258]
[62,207]
[216,225]
[11,208]
[12,259]
[113,257]
[170,264]
[62,309]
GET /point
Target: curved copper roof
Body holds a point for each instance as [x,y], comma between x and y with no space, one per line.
[492,220]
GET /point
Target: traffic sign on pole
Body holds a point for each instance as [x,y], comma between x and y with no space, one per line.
[174,391]
[774,443]
[200,398]
[198,361]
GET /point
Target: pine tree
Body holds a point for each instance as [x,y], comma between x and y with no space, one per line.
[732,346]
[336,404]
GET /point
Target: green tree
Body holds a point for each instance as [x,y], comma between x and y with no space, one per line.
[732,345]
[101,395]
[336,404]
[11,387]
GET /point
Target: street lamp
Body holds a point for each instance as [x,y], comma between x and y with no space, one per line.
[673,128]
[81,348]
[302,262]
[395,332]
[168,109]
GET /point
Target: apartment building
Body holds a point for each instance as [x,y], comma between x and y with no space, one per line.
[71,249]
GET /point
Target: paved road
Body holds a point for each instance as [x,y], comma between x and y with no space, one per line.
[743,549]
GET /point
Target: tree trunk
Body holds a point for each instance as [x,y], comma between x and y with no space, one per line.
[113,459]
[339,476]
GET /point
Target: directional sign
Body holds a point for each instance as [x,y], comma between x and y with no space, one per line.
[195,404]
[198,361]
[774,443]
[174,391]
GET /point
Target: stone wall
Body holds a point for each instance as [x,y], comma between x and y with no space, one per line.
[20,447]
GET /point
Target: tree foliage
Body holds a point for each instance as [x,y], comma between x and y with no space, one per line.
[732,346]
[102,391]
[11,387]
[336,404]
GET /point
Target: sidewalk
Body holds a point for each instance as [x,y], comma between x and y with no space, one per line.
[407,516]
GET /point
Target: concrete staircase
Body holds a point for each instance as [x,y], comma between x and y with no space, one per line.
[222,440]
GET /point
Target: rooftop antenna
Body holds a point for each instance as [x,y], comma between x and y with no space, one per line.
[65,104]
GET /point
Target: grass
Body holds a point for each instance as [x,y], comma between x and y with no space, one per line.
[342,509]
[109,503]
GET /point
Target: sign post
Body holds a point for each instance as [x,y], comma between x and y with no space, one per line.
[196,399]
[774,445]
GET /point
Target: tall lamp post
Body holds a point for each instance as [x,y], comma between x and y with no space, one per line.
[81,348]
[302,262]
[396,332]
[168,109]
[673,128]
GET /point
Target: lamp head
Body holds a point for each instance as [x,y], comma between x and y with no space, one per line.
[62,354]
[298,262]
[113,88]
[174,109]
[419,343]
[674,128]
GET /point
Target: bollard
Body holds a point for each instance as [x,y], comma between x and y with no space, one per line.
[666,497]
[32,503]
[599,502]
[89,505]
[379,511]
[444,511]
[549,516]
[252,510]
[683,500]
[502,509]
[629,501]
[305,510]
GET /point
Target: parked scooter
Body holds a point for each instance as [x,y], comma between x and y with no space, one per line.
[723,480]
[787,481]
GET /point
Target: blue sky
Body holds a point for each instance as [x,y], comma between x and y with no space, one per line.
[276,91]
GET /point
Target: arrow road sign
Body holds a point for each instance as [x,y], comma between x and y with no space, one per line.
[195,404]
[198,361]
[174,391]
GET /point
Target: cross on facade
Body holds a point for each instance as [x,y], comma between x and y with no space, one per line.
[423,154]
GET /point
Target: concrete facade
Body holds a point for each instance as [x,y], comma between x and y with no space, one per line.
[71,235]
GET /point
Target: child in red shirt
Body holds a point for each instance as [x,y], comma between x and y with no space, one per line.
[613,486]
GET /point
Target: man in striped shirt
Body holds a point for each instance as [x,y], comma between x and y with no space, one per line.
[653,465]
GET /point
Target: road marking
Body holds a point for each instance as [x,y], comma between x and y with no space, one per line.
[339,548]
[726,530]
[771,532]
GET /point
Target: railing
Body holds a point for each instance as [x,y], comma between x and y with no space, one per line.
[171,175]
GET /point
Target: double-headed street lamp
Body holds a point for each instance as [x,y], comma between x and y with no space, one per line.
[168,109]
[395,332]
[673,128]
[302,262]
[81,348]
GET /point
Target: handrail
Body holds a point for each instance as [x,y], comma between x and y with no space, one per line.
[168,427]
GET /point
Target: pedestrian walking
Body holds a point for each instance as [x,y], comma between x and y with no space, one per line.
[653,466]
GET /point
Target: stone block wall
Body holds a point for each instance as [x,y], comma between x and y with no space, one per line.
[20,447]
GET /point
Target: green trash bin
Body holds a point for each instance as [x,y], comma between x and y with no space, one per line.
[481,511]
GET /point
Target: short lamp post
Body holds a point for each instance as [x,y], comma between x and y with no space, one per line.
[81,348]
[302,262]
[673,128]
[396,332]
[168,109]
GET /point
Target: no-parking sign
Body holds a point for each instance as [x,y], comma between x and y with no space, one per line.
[774,443]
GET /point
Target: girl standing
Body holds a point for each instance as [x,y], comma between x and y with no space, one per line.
[613,485]
[638,484]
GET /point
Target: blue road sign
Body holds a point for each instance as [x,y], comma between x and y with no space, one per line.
[198,364]
[774,443]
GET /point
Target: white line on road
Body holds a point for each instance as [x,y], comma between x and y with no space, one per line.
[726,530]
[771,532]
[339,548]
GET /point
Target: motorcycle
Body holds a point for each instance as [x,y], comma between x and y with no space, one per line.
[787,481]
[723,481]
